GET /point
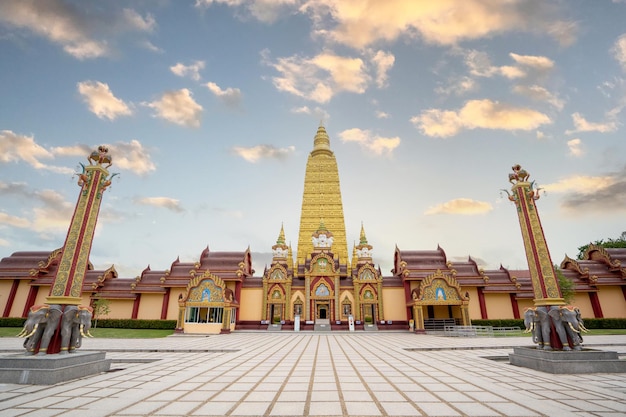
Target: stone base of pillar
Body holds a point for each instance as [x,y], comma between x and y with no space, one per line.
[571,362]
[51,369]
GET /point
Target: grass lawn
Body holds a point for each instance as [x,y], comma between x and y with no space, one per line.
[105,333]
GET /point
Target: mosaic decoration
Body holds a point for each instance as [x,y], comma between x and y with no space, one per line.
[206,291]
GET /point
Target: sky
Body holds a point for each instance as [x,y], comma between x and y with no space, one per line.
[209,109]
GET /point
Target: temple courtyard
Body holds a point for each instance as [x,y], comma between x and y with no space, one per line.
[313,374]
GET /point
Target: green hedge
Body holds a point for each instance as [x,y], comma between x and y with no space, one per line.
[589,323]
[12,321]
[136,324]
[500,323]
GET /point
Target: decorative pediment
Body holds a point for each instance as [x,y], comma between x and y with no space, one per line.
[368,294]
[322,264]
[206,289]
[574,265]
[322,289]
[441,288]
[367,273]
[277,273]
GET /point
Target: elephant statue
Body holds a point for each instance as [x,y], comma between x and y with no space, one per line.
[75,325]
[566,321]
[569,325]
[39,327]
[540,330]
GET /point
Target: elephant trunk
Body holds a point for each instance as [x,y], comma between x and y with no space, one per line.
[582,327]
[23,332]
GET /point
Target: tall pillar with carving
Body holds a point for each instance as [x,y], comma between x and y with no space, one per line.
[547,293]
[65,293]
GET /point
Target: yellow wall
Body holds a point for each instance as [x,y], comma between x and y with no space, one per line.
[20,299]
[120,309]
[441,312]
[5,290]
[612,302]
[203,328]
[474,304]
[523,305]
[583,302]
[394,304]
[172,307]
[498,306]
[150,306]
[250,304]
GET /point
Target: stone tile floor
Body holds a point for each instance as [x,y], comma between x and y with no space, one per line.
[312,374]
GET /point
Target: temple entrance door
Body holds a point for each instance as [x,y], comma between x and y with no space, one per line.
[276,312]
[369,313]
[323,312]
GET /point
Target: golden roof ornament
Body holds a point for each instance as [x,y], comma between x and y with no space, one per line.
[100,157]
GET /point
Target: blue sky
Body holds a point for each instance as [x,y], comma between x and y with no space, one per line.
[210,107]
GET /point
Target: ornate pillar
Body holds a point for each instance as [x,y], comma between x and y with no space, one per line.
[543,277]
[66,289]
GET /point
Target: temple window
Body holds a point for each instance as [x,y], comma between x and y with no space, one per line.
[204,315]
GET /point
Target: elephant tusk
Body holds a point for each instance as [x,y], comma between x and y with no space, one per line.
[528,330]
[33,332]
[572,327]
[82,333]
[22,333]
[582,327]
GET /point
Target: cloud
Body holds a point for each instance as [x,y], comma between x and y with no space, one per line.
[594,194]
[82,31]
[376,144]
[132,156]
[485,114]
[383,62]
[538,93]
[21,148]
[165,202]
[14,221]
[101,100]
[320,113]
[267,11]
[255,153]
[457,86]
[582,125]
[359,23]
[382,115]
[540,63]
[319,78]
[575,147]
[619,51]
[463,206]
[51,213]
[231,96]
[177,107]
[192,71]
[526,66]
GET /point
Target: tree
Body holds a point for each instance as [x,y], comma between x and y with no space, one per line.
[101,307]
[620,242]
[568,290]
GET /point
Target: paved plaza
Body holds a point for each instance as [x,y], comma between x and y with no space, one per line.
[313,374]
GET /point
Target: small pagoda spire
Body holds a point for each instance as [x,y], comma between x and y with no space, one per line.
[321,143]
[364,249]
[280,250]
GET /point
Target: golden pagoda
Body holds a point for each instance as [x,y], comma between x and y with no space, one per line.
[321,201]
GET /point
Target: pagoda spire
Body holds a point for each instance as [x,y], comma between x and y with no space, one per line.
[322,199]
[364,249]
[280,249]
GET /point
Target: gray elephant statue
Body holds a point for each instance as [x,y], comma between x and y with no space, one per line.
[75,325]
[39,328]
[569,325]
[540,330]
[566,321]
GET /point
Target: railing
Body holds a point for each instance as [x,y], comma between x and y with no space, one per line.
[479,331]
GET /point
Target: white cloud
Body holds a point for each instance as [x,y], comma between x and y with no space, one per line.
[15,148]
[382,115]
[540,63]
[256,153]
[372,143]
[319,78]
[575,147]
[383,62]
[359,23]
[318,112]
[619,51]
[464,206]
[539,93]
[192,71]
[177,107]
[580,183]
[14,221]
[72,26]
[457,86]
[230,96]
[101,100]
[266,11]
[485,114]
[132,156]
[582,125]
[164,202]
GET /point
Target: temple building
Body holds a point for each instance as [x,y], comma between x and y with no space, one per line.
[323,287]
